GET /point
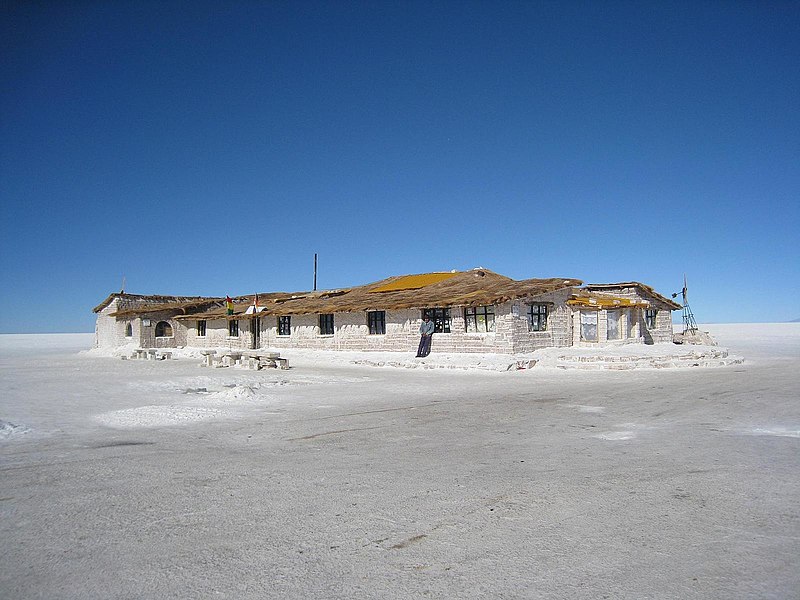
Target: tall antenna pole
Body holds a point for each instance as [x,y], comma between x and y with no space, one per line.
[689,323]
[315,271]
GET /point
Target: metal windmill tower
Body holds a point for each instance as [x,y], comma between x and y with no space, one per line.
[689,324]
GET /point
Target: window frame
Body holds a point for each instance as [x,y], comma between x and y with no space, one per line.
[163,325]
[376,322]
[539,316]
[441,318]
[650,317]
[327,320]
[472,316]
[233,328]
[201,327]
[129,330]
[618,319]
[284,325]
[596,314]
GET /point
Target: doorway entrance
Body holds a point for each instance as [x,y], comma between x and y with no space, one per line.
[256,325]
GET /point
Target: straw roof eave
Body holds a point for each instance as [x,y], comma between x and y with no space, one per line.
[176,308]
[105,303]
[646,289]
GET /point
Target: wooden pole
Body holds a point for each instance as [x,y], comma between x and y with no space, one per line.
[315,271]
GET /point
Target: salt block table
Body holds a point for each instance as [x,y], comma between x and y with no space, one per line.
[208,357]
[258,360]
[230,358]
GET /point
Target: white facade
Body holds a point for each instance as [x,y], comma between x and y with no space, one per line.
[517,327]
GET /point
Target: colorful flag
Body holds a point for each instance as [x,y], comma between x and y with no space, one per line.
[229,304]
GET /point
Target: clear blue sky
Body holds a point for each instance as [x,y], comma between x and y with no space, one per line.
[212,148]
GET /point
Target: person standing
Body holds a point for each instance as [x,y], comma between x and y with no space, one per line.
[426,331]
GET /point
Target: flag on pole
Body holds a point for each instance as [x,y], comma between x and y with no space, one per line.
[229,304]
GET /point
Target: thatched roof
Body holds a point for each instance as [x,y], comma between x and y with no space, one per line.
[462,288]
[145,301]
[644,289]
[139,304]
[585,299]
[478,287]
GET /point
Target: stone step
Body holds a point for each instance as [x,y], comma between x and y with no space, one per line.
[650,363]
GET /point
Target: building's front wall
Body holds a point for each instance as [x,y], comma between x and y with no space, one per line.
[512,329]
[558,331]
[662,333]
[110,332]
[148,327]
[218,334]
[632,322]
[351,331]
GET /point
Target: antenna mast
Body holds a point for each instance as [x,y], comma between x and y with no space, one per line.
[315,271]
[689,324]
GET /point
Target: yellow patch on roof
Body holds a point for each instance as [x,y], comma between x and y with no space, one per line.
[413,282]
[604,302]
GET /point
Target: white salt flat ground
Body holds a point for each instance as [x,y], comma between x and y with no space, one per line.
[138,479]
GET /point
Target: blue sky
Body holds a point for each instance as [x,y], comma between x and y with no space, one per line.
[212,148]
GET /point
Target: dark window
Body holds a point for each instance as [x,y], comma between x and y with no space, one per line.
[163,329]
[376,319]
[613,329]
[650,318]
[284,325]
[537,317]
[479,319]
[128,330]
[201,329]
[440,318]
[233,328]
[326,324]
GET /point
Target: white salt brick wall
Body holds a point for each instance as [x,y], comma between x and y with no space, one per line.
[217,334]
[662,334]
[351,332]
[108,331]
[639,332]
[558,331]
[628,332]
[147,336]
[663,331]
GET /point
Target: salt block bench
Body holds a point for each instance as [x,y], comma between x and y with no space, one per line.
[151,354]
[259,360]
[230,358]
[208,357]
